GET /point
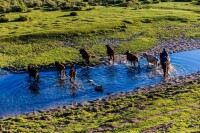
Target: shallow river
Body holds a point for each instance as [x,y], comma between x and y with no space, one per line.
[19,95]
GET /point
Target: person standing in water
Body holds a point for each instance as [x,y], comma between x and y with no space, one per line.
[165,62]
[164,56]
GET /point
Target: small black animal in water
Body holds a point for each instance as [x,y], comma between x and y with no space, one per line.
[60,68]
[33,73]
[85,55]
[110,53]
[96,87]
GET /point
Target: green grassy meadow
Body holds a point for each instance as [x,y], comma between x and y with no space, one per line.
[50,36]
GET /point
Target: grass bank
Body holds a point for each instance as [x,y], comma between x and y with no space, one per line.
[49,36]
[173,108]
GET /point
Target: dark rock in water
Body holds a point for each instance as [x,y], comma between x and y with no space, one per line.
[98,88]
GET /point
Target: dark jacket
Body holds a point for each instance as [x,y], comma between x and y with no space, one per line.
[164,56]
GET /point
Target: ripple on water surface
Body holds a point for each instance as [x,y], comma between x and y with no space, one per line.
[18,94]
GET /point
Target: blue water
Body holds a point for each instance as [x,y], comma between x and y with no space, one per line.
[19,95]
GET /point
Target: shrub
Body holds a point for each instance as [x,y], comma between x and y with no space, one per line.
[175,18]
[91,8]
[50,3]
[165,0]
[65,6]
[23,18]
[28,10]
[73,14]
[84,4]
[77,8]
[37,8]
[16,9]
[148,1]
[2,9]
[3,19]
[198,3]
[156,1]
[127,21]
[53,9]
[147,21]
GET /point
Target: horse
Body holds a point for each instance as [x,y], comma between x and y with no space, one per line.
[33,73]
[151,59]
[60,68]
[132,58]
[85,55]
[110,52]
[165,66]
[72,75]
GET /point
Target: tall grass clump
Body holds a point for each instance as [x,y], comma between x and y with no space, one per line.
[3,19]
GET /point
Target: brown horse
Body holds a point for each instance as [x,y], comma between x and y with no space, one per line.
[60,68]
[72,74]
[151,59]
[85,55]
[110,52]
[33,73]
[165,66]
[132,58]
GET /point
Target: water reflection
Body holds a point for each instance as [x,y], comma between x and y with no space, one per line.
[34,88]
[111,72]
[73,89]
[61,83]
[132,72]
[85,73]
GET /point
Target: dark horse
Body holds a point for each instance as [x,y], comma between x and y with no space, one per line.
[60,68]
[33,73]
[165,66]
[85,55]
[132,58]
[110,52]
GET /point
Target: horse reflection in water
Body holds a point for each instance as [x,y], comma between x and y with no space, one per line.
[34,87]
[111,72]
[61,83]
[132,72]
